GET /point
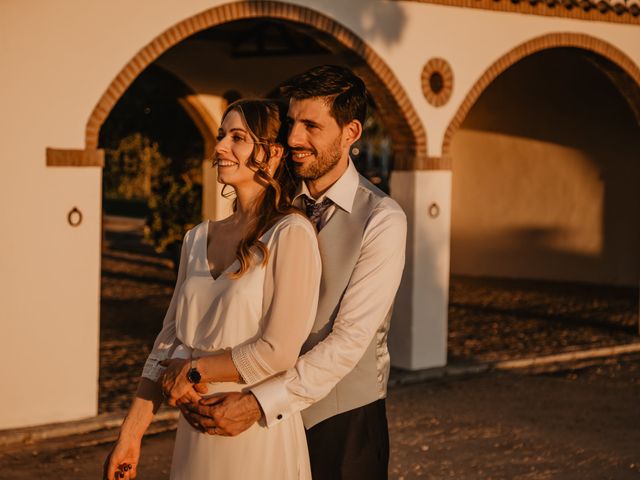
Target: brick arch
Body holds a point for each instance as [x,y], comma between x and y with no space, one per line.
[545,42]
[407,132]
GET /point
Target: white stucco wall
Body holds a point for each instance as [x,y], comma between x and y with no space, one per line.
[58,58]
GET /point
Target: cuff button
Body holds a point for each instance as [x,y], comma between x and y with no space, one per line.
[279,417]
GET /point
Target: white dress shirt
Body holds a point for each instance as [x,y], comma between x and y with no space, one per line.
[364,306]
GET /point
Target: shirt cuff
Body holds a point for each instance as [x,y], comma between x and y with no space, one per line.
[273,399]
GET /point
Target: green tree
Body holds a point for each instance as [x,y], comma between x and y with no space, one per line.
[130,167]
[136,169]
[171,209]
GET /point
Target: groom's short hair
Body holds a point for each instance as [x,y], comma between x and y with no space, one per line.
[344,91]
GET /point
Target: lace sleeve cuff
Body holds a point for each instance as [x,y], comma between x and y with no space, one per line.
[249,368]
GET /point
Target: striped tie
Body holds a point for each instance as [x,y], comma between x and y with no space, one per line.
[315,210]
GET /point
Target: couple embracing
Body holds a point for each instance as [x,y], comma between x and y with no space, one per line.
[274,344]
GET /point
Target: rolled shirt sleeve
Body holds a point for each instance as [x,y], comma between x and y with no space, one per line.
[292,286]
[367,300]
[166,341]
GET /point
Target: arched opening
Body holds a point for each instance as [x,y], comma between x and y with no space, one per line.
[404,126]
[248,51]
[544,238]
[152,190]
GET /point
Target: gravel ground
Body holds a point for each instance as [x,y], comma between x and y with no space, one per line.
[137,284]
[572,424]
[499,319]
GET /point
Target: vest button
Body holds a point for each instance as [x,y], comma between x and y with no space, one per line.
[279,417]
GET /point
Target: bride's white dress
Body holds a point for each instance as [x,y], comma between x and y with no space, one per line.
[264,317]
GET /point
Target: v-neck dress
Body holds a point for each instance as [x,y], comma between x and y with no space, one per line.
[264,317]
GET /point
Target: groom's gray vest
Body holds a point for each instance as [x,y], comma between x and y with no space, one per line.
[340,242]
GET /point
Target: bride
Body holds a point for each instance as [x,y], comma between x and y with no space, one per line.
[244,302]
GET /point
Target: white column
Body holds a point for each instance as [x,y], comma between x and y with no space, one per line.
[418,336]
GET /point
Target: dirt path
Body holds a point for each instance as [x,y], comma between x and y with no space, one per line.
[569,425]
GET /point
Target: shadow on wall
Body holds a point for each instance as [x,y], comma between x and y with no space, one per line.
[545,176]
[382,21]
[533,253]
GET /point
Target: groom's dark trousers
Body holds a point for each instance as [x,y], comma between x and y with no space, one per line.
[353,445]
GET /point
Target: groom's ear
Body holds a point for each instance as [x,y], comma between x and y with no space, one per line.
[276,151]
[351,132]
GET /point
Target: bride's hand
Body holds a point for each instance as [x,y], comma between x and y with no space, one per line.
[122,461]
[175,385]
[193,396]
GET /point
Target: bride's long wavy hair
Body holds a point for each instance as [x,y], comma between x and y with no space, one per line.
[265,121]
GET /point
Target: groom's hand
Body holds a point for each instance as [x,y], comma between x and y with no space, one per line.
[226,414]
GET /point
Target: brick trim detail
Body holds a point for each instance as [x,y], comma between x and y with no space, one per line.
[541,8]
[75,158]
[408,134]
[553,40]
[437,66]
[434,163]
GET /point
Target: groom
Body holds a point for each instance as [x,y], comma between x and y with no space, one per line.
[340,380]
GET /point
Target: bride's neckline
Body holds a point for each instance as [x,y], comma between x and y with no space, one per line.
[212,273]
[235,261]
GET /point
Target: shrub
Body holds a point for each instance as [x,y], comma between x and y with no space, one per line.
[137,169]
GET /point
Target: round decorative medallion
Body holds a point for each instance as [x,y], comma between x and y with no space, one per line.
[437,81]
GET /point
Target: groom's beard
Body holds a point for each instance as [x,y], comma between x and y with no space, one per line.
[322,164]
